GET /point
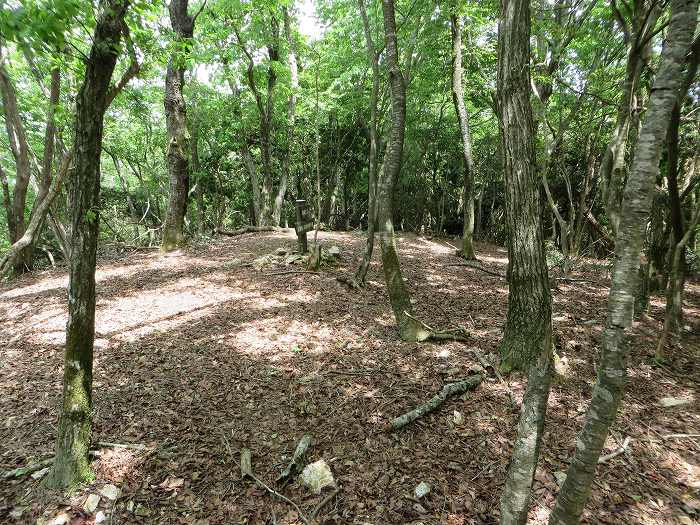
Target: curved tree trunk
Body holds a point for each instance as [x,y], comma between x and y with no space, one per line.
[612,371]
[527,338]
[71,465]
[463,118]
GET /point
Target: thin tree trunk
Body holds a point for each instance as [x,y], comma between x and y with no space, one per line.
[178,150]
[527,340]
[609,387]
[20,151]
[291,116]
[467,159]
[373,58]
[71,465]
[409,328]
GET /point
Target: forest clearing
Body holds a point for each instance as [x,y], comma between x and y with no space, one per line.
[194,355]
[364,262]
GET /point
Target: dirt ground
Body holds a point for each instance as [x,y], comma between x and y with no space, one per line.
[197,356]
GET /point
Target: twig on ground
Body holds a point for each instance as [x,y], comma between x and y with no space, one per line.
[478,267]
[247,229]
[448,390]
[297,460]
[287,272]
[619,450]
[323,503]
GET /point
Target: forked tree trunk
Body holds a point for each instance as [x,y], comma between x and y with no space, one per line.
[612,371]
[526,341]
[19,146]
[71,465]
[178,150]
[409,328]
[463,118]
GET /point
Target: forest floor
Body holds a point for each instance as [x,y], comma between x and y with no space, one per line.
[198,356]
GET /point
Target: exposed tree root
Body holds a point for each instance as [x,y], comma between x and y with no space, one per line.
[478,267]
[438,399]
[428,333]
[248,229]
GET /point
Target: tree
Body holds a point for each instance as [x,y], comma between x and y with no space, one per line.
[527,340]
[638,192]
[463,119]
[71,465]
[178,152]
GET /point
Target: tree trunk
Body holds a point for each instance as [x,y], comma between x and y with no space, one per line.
[17,137]
[71,465]
[463,118]
[409,328]
[526,343]
[178,150]
[291,116]
[607,393]
[373,58]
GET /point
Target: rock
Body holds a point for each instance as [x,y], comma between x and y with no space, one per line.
[420,509]
[16,512]
[62,518]
[100,517]
[444,354]
[669,402]
[261,262]
[561,365]
[40,473]
[422,489]
[130,506]
[233,263]
[560,476]
[91,503]
[293,258]
[317,476]
[458,418]
[333,251]
[281,251]
[141,510]
[110,492]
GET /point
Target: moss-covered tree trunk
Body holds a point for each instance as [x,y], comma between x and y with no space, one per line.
[526,341]
[178,149]
[71,465]
[463,117]
[612,371]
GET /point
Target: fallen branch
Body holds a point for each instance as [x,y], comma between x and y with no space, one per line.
[297,461]
[247,229]
[288,272]
[448,390]
[478,267]
[247,471]
[619,450]
[454,334]
[323,503]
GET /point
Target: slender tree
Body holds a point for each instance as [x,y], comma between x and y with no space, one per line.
[527,341]
[463,117]
[638,192]
[71,465]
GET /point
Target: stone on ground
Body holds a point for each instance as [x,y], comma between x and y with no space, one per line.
[316,476]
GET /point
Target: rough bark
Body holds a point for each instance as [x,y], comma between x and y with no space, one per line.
[467,158]
[178,149]
[71,465]
[612,371]
[526,340]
